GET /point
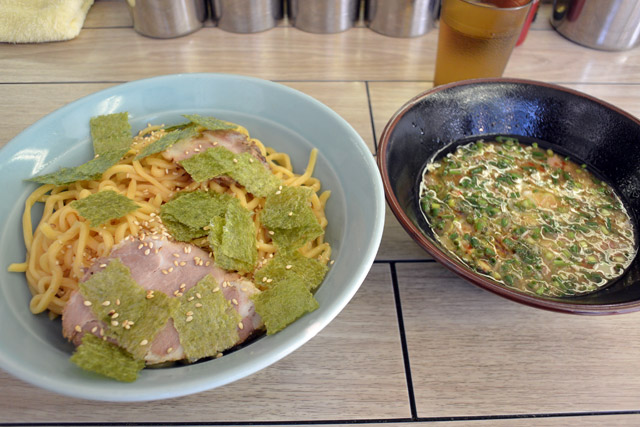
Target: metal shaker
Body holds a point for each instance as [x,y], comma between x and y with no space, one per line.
[599,24]
[323,16]
[167,18]
[402,18]
[247,16]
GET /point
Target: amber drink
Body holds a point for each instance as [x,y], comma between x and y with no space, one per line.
[476,37]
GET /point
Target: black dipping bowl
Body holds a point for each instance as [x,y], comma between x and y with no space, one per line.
[591,131]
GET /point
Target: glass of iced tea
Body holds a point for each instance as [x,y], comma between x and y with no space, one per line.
[476,37]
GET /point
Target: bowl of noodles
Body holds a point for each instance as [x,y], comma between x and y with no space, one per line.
[231,176]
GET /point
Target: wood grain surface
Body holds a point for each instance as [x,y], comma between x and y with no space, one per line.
[416,345]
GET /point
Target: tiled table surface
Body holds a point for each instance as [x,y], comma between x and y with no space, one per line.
[416,344]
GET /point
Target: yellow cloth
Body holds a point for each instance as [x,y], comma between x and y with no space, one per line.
[32,21]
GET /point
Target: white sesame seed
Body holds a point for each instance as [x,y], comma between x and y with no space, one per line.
[94,329]
[190,298]
[78,328]
[241,325]
[106,303]
[114,323]
[234,301]
[87,303]
[288,267]
[144,342]
[169,350]
[147,251]
[198,305]
[189,318]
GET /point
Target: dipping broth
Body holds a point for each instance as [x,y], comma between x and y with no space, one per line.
[527,217]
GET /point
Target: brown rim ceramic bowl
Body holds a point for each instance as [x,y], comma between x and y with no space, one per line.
[591,131]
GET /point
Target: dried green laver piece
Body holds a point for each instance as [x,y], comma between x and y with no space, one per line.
[145,317]
[168,140]
[103,206]
[104,358]
[233,238]
[110,132]
[243,168]
[187,214]
[210,123]
[288,214]
[211,163]
[205,320]
[293,266]
[283,303]
[93,169]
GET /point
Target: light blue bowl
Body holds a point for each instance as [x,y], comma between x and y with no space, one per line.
[32,347]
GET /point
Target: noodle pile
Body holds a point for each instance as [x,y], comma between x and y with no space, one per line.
[63,244]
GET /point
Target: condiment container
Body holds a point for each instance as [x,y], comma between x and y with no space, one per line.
[167,18]
[402,18]
[247,16]
[323,16]
[599,24]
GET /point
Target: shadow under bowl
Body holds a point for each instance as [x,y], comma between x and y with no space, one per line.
[589,130]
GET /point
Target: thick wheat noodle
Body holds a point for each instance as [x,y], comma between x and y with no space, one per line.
[63,245]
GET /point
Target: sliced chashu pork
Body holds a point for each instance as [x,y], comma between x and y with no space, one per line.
[172,268]
[234,141]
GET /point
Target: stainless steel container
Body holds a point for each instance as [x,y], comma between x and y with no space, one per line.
[167,18]
[323,16]
[402,18]
[599,24]
[247,16]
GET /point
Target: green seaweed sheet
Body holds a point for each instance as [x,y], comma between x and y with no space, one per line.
[293,266]
[233,239]
[104,206]
[93,169]
[188,213]
[110,132]
[205,320]
[288,215]
[113,290]
[102,357]
[243,168]
[283,303]
[209,123]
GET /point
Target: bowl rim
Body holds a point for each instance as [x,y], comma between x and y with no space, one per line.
[457,267]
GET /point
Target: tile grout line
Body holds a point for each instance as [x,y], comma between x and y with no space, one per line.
[403,342]
[373,125]
[452,419]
